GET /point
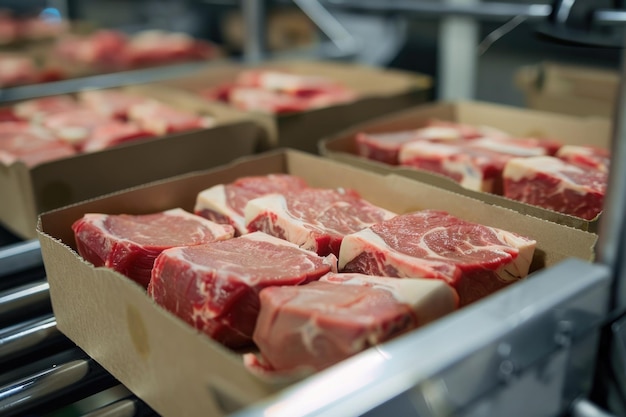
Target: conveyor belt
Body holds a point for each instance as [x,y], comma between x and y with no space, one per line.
[41,371]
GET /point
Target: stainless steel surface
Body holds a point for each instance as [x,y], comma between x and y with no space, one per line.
[24,297]
[494,341]
[26,336]
[254,27]
[585,408]
[612,223]
[100,81]
[609,17]
[20,256]
[491,10]
[458,43]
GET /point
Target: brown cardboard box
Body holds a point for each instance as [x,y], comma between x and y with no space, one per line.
[26,192]
[575,90]
[179,372]
[381,91]
[516,121]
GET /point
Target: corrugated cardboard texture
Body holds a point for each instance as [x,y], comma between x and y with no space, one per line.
[575,90]
[381,92]
[26,192]
[179,372]
[518,122]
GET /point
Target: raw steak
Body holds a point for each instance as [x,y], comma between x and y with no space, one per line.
[159,119]
[21,141]
[225,203]
[102,49]
[129,244]
[314,218]
[17,70]
[321,323]
[519,147]
[586,156]
[154,47]
[38,108]
[112,134]
[293,84]
[385,147]
[110,103]
[473,168]
[474,259]
[215,287]
[74,126]
[557,185]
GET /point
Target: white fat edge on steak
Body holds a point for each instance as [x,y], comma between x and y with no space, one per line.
[421,294]
[570,150]
[274,80]
[295,231]
[438,133]
[518,169]
[471,178]
[72,134]
[507,147]
[214,199]
[354,244]
[330,260]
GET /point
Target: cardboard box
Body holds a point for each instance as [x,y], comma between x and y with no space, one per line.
[180,372]
[26,192]
[516,121]
[575,90]
[381,92]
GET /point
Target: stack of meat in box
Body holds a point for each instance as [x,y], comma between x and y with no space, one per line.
[112,50]
[49,128]
[276,92]
[537,171]
[308,276]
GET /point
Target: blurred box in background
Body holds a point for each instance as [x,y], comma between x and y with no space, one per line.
[575,90]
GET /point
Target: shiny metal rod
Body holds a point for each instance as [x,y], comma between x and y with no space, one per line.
[28,337]
[20,256]
[255,30]
[26,297]
[485,11]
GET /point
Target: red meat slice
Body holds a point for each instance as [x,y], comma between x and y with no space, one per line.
[474,259]
[153,47]
[36,109]
[113,134]
[159,119]
[32,146]
[321,323]
[8,115]
[293,84]
[102,49]
[225,203]
[520,147]
[474,168]
[556,185]
[74,126]
[215,287]
[586,156]
[17,70]
[110,103]
[314,219]
[385,147]
[129,244]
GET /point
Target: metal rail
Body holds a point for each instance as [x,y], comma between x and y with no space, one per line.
[21,300]
[20,256]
